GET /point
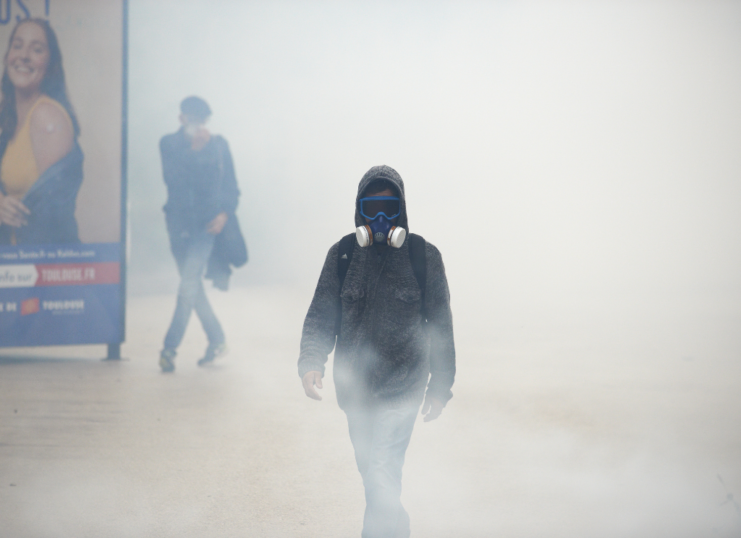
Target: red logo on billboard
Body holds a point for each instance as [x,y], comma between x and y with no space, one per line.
[68,274]
[30,306]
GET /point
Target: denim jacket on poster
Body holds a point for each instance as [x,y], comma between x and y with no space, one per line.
[51,201]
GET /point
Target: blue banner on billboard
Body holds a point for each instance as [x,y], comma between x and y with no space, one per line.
[51,294]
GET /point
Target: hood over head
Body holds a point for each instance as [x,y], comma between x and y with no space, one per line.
[389,174]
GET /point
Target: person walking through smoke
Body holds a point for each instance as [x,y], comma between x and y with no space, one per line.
[202,196]
[383,298]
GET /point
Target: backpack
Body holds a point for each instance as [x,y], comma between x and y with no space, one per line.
[417,256]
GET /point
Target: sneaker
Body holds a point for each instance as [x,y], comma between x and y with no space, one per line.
[167,360]
[213,351]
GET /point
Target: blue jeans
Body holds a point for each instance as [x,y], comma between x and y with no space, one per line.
[191,253]
[380,437]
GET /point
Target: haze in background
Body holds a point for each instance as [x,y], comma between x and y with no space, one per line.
[564,155]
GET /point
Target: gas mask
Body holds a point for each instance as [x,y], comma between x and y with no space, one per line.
[381,211]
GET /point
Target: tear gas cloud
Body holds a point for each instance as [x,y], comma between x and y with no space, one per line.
[576,163]
[560,155]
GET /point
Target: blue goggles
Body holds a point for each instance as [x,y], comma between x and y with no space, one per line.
[388,206]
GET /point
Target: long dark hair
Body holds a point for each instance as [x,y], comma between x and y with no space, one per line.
[53,85]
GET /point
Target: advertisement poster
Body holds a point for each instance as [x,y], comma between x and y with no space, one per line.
[62,172]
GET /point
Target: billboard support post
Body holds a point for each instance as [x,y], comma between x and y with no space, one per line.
[114,349]
[114,352]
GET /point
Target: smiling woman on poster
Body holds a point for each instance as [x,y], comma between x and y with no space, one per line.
[41,166]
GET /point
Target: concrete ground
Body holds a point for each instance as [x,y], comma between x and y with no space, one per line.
[573,427]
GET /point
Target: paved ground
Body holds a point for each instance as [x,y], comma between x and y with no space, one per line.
[578,429]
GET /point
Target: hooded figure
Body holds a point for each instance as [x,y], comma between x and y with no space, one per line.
[386,352]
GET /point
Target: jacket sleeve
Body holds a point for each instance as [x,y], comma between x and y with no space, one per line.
[229,196]
[440,327]
[318,337]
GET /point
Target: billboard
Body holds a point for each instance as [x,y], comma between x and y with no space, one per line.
[62,172]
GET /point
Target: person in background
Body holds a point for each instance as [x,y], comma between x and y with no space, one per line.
[41,162]
[202,196]
[383,298]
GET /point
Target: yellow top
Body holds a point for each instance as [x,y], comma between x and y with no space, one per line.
[19,170]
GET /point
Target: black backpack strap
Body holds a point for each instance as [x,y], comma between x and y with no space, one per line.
[344,257]
[418,257]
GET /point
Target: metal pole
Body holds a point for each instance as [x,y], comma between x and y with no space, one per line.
[114,352]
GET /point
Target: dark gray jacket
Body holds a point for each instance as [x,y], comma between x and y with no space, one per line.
[384,353]
[200,184]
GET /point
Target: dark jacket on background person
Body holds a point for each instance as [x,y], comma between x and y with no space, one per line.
[384,353]
[230,249]
[51,201]
[200,185]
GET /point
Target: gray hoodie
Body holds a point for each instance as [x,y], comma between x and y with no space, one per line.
[385,353]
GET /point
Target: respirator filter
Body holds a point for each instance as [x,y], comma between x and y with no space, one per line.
[366,237]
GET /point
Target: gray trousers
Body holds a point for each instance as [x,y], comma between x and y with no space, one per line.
[191,254]
[380,437]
